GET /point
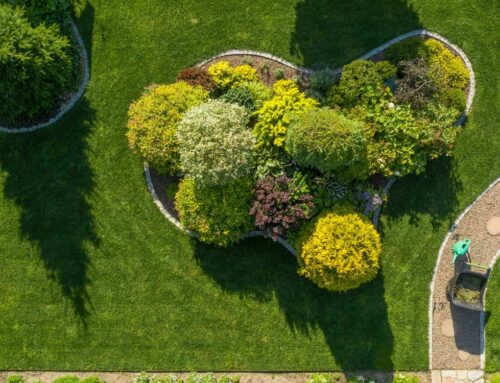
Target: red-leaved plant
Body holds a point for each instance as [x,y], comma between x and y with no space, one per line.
[279,205]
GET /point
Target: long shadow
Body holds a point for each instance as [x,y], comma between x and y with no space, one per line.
[49,178]
[355,324]
[433,193]
[333,32]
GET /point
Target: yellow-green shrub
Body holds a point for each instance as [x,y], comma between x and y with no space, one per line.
[276,114]
[225,76]
[219,214]
[339,250]
[153,119]
[446,69]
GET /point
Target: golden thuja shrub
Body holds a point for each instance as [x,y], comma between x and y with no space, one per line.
[339,250]
[226,76]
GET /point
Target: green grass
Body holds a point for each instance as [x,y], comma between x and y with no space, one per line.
[93,277]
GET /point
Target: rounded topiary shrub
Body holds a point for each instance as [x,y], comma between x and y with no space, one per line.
[153,120]
[328,141]
[36,67]
[215,145]
[218,214]
[339,250]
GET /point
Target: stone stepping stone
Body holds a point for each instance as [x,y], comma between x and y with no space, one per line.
[463,355]
[493,225]
[447,328]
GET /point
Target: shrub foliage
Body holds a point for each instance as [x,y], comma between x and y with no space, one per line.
[36,67]
[328,141]
[197,76]
[279,205]
[276,114]
[339,250]
[214,143]
[218,214]
[225,76]
[153,120]
[362,82]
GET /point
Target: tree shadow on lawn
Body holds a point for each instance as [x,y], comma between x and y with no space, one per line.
[49,178]
[355,324]
[433,193]
[334,32]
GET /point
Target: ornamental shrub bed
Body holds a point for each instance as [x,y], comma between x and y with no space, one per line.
[301,159]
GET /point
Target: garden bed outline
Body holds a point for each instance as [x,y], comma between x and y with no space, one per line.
[74,97]
[242,52]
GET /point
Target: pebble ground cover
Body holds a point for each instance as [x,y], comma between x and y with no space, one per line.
[93,278]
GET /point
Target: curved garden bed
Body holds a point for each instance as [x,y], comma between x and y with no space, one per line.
[425,60]
[66,102]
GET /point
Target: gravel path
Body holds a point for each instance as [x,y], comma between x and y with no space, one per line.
[457,334]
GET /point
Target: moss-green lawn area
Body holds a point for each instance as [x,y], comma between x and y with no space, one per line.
[93,277]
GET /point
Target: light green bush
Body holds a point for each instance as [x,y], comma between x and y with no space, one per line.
[67,379]
[361,83]
[260,93]
[328,141]
[15,379]
[218,214]
[405,378]
[214,143]
[153,120]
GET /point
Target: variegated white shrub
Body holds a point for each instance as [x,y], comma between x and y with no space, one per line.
[215,145]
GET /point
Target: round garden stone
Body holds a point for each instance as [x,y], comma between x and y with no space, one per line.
[447,328]
[493,225]
[463,355]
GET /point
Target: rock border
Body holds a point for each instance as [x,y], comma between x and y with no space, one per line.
[66,106]
[438,261]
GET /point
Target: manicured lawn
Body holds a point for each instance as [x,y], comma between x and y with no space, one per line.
[93,277]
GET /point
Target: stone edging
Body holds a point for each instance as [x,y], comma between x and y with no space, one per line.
[65,107]
[438,261]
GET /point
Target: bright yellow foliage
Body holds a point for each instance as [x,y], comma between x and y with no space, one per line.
[339,250]
[225,76]
[446,69]
[275,115]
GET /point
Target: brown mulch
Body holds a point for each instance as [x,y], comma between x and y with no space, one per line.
[245,377]
[466,323]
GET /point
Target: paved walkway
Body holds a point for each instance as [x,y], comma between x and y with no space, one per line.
[457,376]
[457,343]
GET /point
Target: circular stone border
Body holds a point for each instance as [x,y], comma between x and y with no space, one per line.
[438,261]
[373,52]
[66,106]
